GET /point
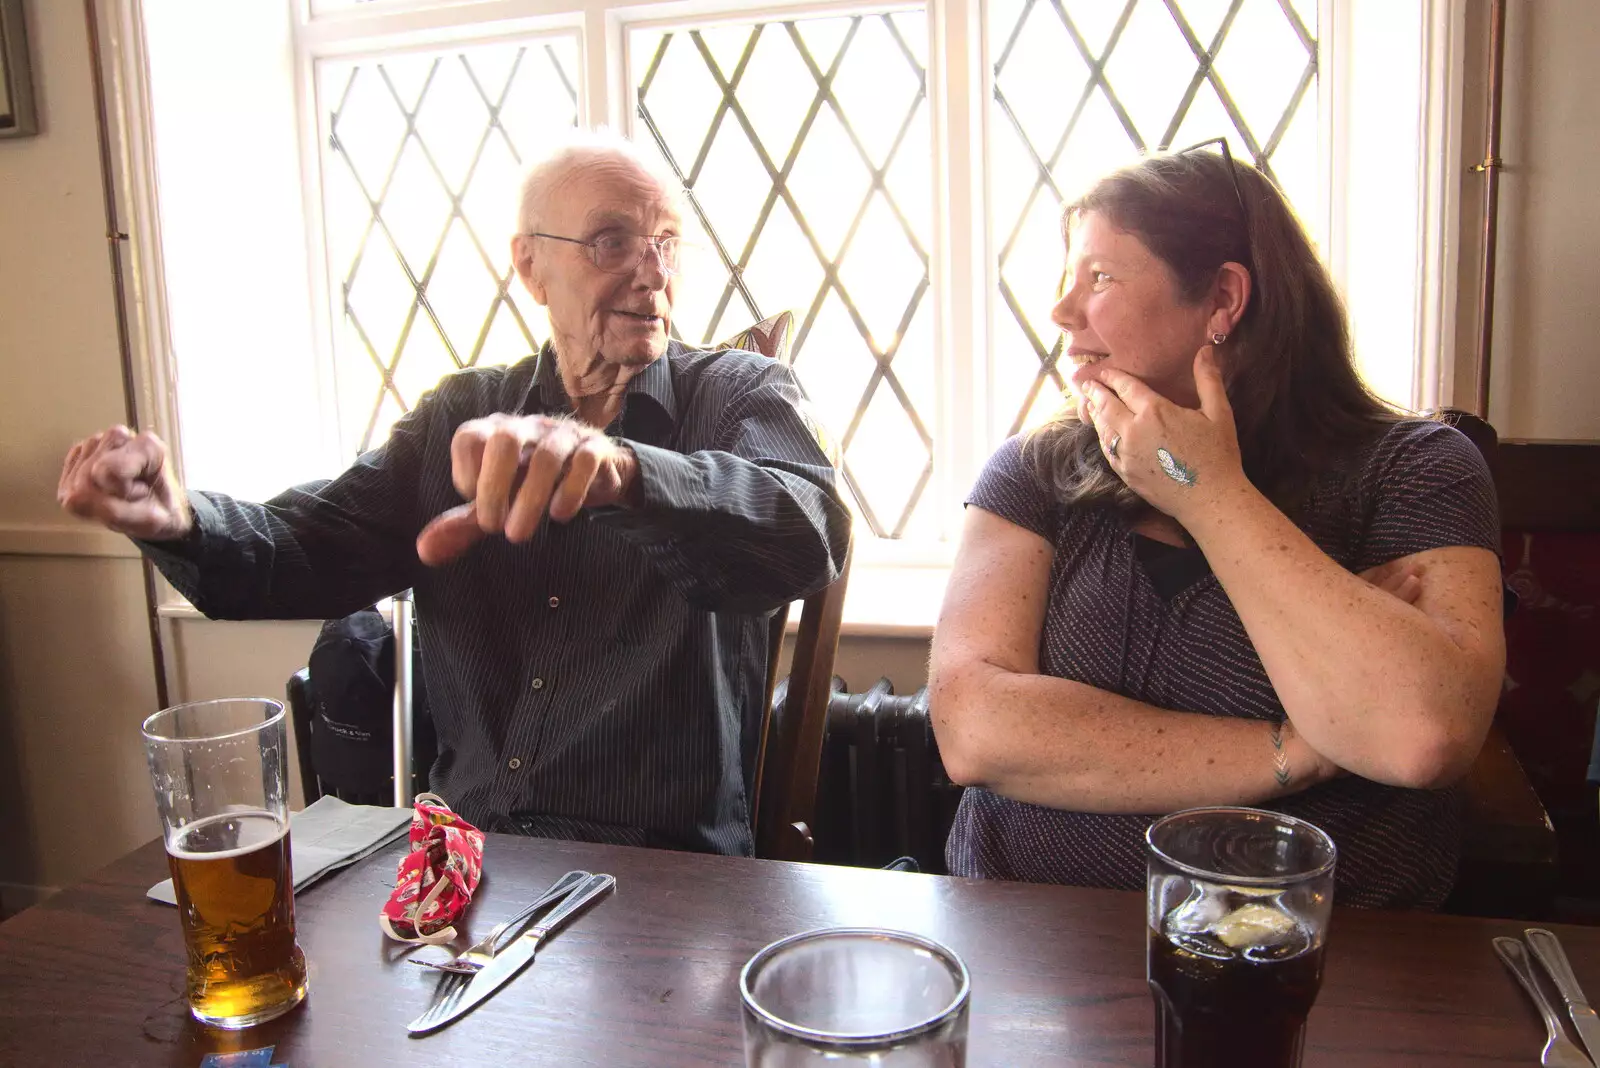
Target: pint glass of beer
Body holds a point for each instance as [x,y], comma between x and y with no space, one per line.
[1238,909]
[221,778]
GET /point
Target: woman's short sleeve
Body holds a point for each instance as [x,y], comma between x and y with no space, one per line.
[1426,487]
[1011,489]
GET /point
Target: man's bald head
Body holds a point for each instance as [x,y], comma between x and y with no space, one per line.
[578,154]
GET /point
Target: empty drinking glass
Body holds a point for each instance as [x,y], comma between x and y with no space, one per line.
[855,995]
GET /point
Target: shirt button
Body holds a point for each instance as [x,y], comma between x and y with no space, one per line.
[514,763]
[555,602]
[538,684]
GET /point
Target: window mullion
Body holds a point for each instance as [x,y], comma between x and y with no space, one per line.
[138,202]
[338,443]
[1335,62]
[963,274]
[605,71]
[1388,247]
[1443,74]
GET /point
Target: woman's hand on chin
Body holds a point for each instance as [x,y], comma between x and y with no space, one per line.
[1180,460]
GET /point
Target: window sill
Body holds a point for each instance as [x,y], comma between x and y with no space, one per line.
[891,601]
[177,609]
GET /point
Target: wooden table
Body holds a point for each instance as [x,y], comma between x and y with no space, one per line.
[648,977]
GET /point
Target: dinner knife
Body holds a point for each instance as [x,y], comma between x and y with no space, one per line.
[1548,949]
[511,960]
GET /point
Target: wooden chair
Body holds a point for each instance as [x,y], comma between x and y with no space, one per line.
[298,691]
[789,753]
[795,716]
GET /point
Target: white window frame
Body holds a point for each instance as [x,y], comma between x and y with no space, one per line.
[1344,28]
[963,270]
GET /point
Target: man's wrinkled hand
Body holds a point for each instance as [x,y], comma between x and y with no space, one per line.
[515,470]
[122,481]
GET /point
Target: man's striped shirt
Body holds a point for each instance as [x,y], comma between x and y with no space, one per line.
[602,680]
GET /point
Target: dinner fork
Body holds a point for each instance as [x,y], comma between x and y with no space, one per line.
[482,952]
[458,994]
[1559,1050]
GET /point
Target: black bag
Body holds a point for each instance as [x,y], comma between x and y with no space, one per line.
[352,707]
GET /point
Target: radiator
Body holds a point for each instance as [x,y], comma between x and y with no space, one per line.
[882,792]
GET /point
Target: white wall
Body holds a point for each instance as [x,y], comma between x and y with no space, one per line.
[75,676]
[1546,351]
[74,660]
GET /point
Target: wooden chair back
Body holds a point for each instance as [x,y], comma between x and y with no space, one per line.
[789,753]
[298,692]
[1543,486]
[1548,487]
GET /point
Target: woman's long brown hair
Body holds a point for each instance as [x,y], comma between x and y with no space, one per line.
[1297,400]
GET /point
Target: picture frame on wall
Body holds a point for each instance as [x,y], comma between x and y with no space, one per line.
[17,115]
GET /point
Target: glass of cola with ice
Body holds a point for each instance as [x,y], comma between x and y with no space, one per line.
[1238,907]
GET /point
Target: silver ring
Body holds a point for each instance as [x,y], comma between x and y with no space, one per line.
[1112,445]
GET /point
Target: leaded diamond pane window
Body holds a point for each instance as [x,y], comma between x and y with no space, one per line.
[424,154]
[805,147]
[1081,86]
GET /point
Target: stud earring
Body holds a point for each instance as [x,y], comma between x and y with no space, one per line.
[1218,337]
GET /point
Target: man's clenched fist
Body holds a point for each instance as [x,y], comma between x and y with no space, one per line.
[122,480]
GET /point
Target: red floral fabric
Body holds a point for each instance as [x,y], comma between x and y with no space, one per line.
[436,879]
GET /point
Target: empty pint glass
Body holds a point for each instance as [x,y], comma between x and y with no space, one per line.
[855,996]
[220,772]
[1239,901]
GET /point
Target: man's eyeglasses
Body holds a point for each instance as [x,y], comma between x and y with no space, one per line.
[1233,173]
[617,252]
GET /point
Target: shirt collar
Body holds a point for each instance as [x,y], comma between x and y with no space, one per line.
[655,382]
[652,387]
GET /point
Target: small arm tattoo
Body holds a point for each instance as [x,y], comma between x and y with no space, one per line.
[1280,759]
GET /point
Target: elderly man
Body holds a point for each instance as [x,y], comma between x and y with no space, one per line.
[593,676]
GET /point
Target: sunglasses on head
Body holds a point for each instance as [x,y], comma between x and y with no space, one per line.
[1233,176]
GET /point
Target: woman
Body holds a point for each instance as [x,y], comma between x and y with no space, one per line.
[1229,575]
